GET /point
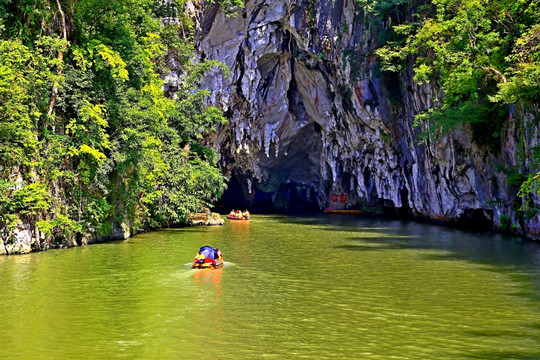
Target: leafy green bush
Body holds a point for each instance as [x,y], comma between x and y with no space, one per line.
[85,124]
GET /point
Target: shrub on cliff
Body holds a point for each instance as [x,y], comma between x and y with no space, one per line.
[483,55]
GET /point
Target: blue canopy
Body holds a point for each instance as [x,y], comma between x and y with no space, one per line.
[209,252]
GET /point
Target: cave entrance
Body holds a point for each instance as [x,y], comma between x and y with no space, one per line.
[233,198]
[294,198]
[476,220]
[291,198]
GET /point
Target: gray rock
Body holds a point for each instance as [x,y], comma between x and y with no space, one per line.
[307,108]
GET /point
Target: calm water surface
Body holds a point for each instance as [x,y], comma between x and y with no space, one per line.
[325,287]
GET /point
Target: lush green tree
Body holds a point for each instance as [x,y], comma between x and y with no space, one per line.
[88,138]
[480,52]
[482,55]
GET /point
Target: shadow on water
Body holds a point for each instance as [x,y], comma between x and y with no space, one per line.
[495,354]
[512,256]
[502,333]
[378,247]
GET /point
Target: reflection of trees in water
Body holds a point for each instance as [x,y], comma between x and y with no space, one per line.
[19,269]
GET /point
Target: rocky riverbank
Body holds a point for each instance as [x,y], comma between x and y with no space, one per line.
[26,238]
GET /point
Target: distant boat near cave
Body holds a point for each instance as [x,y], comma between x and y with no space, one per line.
[338,211]
[239,215]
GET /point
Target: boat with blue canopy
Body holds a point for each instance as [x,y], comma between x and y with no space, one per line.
[208,258]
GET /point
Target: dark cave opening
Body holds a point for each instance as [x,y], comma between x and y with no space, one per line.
[290,198]
[300,199]
[391,211]
[476,219]
[232,198]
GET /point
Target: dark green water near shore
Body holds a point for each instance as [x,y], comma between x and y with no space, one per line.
[324,287]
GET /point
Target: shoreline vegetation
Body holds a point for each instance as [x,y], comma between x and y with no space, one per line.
[93,145]
[124,231]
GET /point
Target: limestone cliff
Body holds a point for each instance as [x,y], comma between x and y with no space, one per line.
[313,123]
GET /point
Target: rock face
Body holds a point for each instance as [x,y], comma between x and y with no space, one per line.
[313,124]
[27,238]
[208,218]
[21,241]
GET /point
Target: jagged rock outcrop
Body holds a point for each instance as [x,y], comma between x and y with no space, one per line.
[313,123]
[20,242]
[27,238]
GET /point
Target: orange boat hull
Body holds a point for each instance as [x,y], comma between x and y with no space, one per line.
[208,265]
[330,211]
[234,218]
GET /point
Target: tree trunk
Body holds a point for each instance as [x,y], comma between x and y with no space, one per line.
[60,58]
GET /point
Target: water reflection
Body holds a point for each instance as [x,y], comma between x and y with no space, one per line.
[209,295]
[303,287]
[209,280]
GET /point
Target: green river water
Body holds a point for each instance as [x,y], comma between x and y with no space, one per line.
[324,287]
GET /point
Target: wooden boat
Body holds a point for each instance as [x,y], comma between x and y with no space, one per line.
[337,211]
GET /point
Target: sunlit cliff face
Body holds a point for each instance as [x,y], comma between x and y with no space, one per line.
[311,118]
[295,115]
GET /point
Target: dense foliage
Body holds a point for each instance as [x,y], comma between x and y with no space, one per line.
[88,138]
[483,56]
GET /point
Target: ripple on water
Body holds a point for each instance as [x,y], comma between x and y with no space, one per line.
[319,287]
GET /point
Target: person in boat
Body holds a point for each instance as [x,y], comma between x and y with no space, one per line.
[220,255]
[246,215]
[199,258]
